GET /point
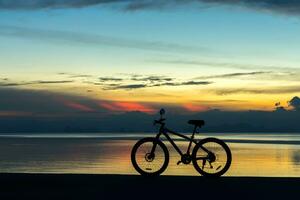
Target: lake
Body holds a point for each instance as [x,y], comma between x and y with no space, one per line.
[261,154]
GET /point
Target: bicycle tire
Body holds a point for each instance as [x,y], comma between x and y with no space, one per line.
[223,145]
[136,165]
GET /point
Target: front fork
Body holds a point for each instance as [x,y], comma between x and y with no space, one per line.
[161,131]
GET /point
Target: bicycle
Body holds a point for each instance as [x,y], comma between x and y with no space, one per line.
[211,157]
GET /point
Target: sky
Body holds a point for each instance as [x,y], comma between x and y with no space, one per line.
[119,56]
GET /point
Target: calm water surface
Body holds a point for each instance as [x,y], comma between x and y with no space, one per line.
[253,154]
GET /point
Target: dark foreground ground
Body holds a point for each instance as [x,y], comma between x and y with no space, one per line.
[67,186]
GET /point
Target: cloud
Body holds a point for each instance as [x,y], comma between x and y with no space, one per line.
[21,100]
[196,83]
[127,106]
[135,78]
[137,81]
[126,87]
[271,90]
[78,106]
[50,4]
[226,65]
[295,103]
[221,101]
[290,7]
[104,79]
[149,85]
[68,37]
[41,111]
[231,75]
[183,83]
[81,76]
[153,78]
[50,82]
[10,84]
[73,75]
[7,83]
[279,6]
[195,108]
[25,102]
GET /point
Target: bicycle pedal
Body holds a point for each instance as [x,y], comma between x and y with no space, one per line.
[179,162]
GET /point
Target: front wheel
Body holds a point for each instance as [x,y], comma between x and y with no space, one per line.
[150,157]
[211,157]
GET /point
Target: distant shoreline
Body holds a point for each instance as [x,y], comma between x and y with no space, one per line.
[88,186]
[227,137]
[152,131]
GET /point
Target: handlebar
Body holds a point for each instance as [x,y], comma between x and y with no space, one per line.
[159,121]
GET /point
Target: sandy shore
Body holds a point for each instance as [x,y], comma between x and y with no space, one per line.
[69,186]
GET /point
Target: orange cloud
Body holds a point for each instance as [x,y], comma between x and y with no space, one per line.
[109,106]
[126,106]
[195,108]
[78,106]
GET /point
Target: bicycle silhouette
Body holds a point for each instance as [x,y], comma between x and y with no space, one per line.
[210,156]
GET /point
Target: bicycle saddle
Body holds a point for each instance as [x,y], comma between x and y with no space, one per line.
[197,122]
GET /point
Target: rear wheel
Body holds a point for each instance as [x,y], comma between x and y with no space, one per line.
[211,157]
[150,157]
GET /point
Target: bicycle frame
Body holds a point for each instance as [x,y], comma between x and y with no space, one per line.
[165,131]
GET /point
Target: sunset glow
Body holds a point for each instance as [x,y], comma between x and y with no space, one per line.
[79,107]
[126,106]
[128,62]
[195,108]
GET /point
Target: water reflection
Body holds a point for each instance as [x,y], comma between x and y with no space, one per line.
[296,157]
[98,155]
